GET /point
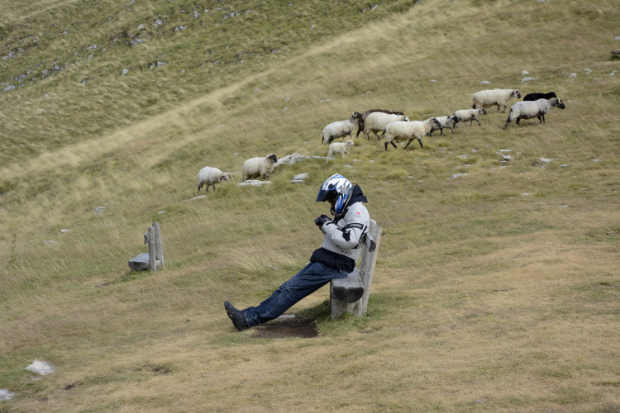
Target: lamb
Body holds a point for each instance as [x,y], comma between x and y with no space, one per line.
[256,167]
[530,97]
[470,115]
[339,129]
[444,122]
[529,110]
[377,121]
[497,97]
[408,131]
[339,147]
[361,121]
[211,176]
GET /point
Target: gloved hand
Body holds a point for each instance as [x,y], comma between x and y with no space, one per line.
[322,220]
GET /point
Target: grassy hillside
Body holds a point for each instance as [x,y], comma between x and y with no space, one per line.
[496,287]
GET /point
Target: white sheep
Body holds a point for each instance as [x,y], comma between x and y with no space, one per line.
[339,129]
[364,115]
[256,167]
[499,97]
[444,122]
[377,121]
[408,131]
[339,147]
[470,115]
[211,176]
[535,109]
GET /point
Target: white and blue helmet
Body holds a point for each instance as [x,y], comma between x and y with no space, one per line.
[336,187]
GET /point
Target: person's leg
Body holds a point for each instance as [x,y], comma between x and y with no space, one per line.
[312,277]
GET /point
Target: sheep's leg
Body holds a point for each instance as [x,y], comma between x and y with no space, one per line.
[478,120]
[441,129]
[386,144]
[504,111]
[377,135]
[452,130]
[430,134]
[410,140]
[543,116]
[498,106]
[539,119]
[471,121]
[420,140]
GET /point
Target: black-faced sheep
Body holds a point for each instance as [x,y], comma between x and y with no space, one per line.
[339,129]
[445,122]
[409,131]
[211,176]
[377,121]
[361,121]
[339,147]
[470,115]
[499,97]
[529,110]
[531,97]
[259,167]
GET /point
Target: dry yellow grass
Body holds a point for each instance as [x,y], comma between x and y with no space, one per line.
[484,299]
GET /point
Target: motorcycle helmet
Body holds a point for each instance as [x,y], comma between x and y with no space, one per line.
[336,187]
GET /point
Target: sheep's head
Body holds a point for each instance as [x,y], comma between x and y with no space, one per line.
[436,122]
[483,111]
[454,119]
[224,177]
[405,119]
[559,104]
[273,157]
[356,115]
[516,93]
[349,143]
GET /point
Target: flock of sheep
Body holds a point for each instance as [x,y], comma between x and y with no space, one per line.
[395,126]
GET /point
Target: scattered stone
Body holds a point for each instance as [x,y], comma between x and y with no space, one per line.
[573,75]
[64,231]
[474,151]
[176,29]
[485,82]
[49,241]
[525,194]
[6,395]
[563,206]
[284,110]
[196,197]
[348,166]
[158,22]
[251,182]
[613,73]
[300,177]
[124,72]
[99,210]
[286,99]
[617,37]
[595,160]
[527,79]
[296,158]
[433,81]
[455,176]
[505,150]
[41,367]
[564,165]
[545,160]
[162,212]
[525,72]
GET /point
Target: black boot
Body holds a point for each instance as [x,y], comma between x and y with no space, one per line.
[237,317]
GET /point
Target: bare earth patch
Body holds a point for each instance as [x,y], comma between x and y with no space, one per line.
[299,327]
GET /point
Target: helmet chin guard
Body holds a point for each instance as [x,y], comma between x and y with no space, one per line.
[337,188]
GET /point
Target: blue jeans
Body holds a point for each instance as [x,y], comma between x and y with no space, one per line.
[312,277]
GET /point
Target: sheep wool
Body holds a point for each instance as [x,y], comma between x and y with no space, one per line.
[444,122]
[408,131]
[339,129]
[339,147]
[362,119]
[529,110]
[499,97]
[470,115]
[377,121]
[210,176]
[259,167]
[530,97]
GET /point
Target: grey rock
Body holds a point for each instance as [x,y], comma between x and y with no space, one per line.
[251,182]
[6,395]
[99,210]
[41,367]
[573,75]
[527,79]
[124,72]
[485,82]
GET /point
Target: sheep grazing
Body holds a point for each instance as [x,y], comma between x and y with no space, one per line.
[211,176]
[531,97]
[377,121]
[497,97]
[339,129]
[396,131]
[470,115]
[529,110]
[257,167]
[444,122]
[339,147]
[361,121]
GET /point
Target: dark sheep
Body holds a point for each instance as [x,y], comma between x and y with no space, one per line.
[530,97]
[362,119]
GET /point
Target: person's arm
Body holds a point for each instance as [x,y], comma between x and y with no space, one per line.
[349,236]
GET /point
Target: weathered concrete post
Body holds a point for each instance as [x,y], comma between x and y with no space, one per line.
[159,250]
